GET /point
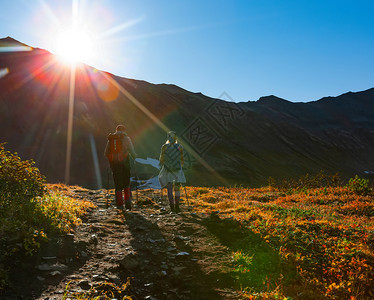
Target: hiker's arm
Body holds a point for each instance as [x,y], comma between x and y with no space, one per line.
[131,148]
[162,160]
[106,151]
[182,155]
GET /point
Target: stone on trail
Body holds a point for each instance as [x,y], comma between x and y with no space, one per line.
[178,270]
[54,273]
[54,267]
[129,262]
[85,284]
[162,273]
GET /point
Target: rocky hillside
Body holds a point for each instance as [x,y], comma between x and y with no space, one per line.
[225,142]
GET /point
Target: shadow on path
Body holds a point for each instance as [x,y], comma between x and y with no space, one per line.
[164,267]
[256,264]
[30,277]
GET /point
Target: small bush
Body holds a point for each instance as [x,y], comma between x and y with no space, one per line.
[306,181]
[28,211]
[20,183]
[358,185]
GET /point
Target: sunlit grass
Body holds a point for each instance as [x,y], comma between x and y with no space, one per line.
[325,234]
[100,290]
[63,212]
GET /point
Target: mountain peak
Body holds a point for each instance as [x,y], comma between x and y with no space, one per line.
[11,42]
[271,99]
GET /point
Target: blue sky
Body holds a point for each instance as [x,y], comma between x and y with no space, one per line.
[297,50]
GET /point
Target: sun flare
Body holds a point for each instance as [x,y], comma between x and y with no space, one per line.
[74,45]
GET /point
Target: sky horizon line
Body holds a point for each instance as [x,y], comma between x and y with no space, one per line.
[297,50]
[225,97]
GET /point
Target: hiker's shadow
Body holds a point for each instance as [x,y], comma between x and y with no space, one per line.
[157,264]
[55,260]
[252,252]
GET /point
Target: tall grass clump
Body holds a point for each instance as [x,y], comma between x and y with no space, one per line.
[305,182]
[29,212]
[359,185]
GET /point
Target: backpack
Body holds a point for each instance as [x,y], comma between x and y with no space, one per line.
[118,151]
[172,160]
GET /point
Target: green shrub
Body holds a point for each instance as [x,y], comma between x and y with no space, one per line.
[29,212]
[359,185]
[20,183]
[307,181]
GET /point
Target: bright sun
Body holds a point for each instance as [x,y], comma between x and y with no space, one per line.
[74,45]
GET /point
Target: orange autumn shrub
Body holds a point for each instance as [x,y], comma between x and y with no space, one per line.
[326,233]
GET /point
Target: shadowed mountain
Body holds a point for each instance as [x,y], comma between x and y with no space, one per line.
[225,142]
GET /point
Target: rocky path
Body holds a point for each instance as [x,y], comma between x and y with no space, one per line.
[161,255]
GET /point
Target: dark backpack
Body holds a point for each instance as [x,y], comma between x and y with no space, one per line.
[118,151]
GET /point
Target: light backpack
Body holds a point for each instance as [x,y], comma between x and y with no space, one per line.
[172,161]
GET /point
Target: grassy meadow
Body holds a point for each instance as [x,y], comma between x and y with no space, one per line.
[296,240]
[311,238]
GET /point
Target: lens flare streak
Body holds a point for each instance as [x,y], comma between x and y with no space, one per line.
[96,162]
[3,72]
[148,113]
[70,123]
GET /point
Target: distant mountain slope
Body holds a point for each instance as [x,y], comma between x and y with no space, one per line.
[225,142]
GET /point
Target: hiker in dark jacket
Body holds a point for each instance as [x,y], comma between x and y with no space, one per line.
[117,150]
[171,174]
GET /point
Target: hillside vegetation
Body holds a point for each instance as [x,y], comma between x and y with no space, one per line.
[30,211]
[311,238]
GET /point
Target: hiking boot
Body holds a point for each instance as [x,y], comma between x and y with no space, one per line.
[119,199]
[128,205]
[177,199]
[172,207]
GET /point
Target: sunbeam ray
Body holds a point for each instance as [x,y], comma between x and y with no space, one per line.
[95,158]
[149,114]
[4,72]
[15,49]
[49,13]
[70,123]
[120,27]
[35,72]
[169,31]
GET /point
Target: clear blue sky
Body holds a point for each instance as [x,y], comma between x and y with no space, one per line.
[298,50]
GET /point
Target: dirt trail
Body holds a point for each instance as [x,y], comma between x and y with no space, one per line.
[164,255]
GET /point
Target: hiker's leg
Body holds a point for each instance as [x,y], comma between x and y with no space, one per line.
[127,190]
[127,198]
[119,199]
[177,189]
[170,195]
[117,177]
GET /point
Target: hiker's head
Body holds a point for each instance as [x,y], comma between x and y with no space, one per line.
[121,128]
[171,137]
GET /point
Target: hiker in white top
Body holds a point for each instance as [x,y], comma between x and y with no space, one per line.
[171,174]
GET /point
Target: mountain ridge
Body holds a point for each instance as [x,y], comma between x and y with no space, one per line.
[244,142]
